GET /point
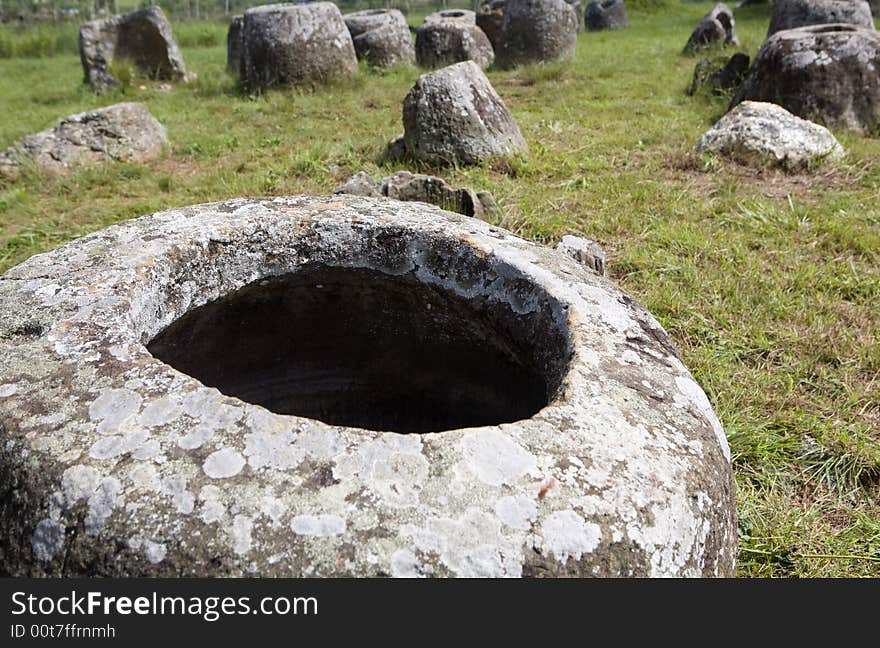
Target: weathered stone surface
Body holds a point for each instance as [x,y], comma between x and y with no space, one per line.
[464,16]
[442,41]
[113,463]
[537,30]
[290,44]
[825,73]
[788,14]
[381,37]
[454,116]
[716,28]
[720,76]
[360,184]
[606,14]
[489,19]
[233,44]
[585,251]
[762,133]
[121,132]
[143,37]
[420,187]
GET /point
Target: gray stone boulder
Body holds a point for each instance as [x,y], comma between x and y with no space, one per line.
[761,133]
[125,132]
[291,44]
[788,14]
[381,37]
[454,116]
[721,75]
[489,19]
[142,37]
[534,31]
[825,73]
[233,44]
[716,28]
[606,14]
[585,251]
[444,40]
[161,416]
[407,186]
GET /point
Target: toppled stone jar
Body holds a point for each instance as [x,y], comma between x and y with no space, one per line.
[345,386]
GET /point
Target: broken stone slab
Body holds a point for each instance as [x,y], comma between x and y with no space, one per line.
[585,251]
[293,44]
[407,186]
[124,132]
[233,45]
[720,75]
[606,14]
[454,116]
[761,133]
[442,41]
[489,19]
[535,31]
[381,37]
[824,73]
[144,434]
[788,14]
[715,28]
[142,37]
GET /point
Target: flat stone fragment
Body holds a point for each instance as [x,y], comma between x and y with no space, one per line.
[535,31]
[293,44]
[124,132]
[454,116]
[789,14]
[448,37]
[407,186]
[367,451]
[760,132]
[381,37]
[715,28]
[143,37]
[606,14]
[824,73]
[585,251]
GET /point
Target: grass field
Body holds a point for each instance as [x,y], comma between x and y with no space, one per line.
[769,282]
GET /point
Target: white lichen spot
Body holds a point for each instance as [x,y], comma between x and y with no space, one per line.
[273,448]
[116,445]
[495,458]
[213,509]
[78,483]
[7,390]
[405,564]
[114,408]
[321,442]
[101,504]
[567,535]
[47,540]
[160,412]
[318,525]
[242,526]
[174,486]
[224,463]
[154,552]
[196,437]
[516,511]
[629,357]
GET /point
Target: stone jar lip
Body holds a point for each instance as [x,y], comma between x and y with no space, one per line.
[112,444]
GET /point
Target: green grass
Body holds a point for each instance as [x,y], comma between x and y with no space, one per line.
[769,282]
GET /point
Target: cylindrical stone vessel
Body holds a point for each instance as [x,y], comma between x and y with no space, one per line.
[345,386]
[291,44]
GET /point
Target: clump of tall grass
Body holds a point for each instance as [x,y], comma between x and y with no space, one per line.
[22,41]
